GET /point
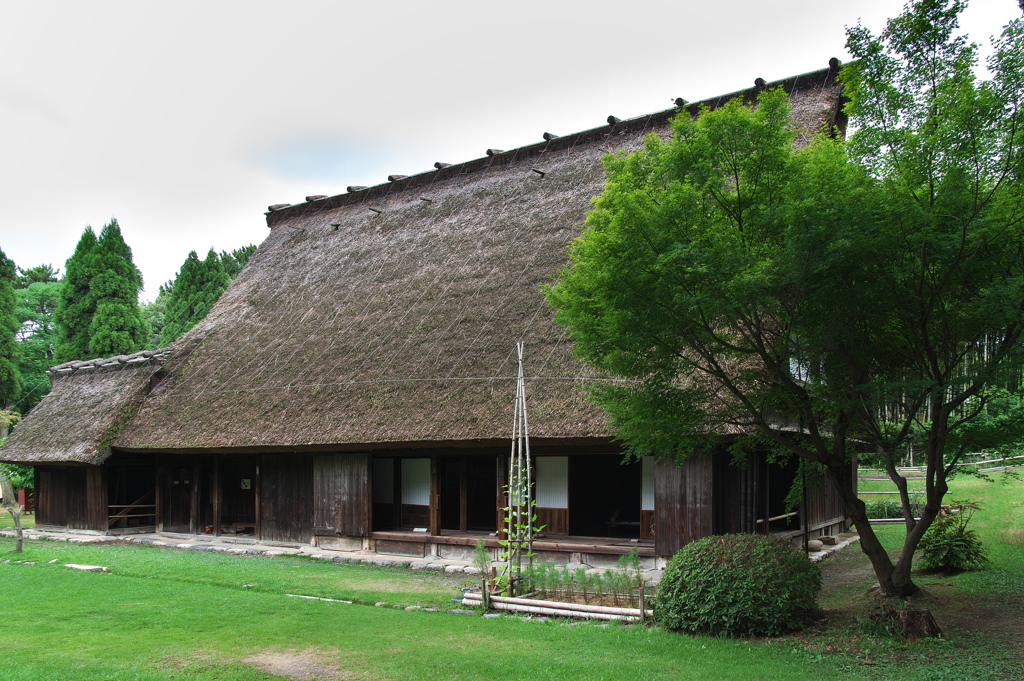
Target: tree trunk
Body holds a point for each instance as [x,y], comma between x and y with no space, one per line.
[18,533]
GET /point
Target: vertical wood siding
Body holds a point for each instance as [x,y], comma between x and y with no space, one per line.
[682,506]
[341,494]
[285,497]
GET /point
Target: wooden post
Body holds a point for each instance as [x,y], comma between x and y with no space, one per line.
[396,493]
[258,520]
[193,499]
[463,501]
[435,511]
[218,494]
[158,496]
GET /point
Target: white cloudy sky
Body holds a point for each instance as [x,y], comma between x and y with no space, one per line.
[186,119]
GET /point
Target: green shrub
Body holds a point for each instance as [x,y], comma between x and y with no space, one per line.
[949,546]
[737,585]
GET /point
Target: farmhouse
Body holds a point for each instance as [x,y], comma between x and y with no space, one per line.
[354,386]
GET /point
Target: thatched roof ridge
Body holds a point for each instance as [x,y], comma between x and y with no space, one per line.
[388,316]
[794,85]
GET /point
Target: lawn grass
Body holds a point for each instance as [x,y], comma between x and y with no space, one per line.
[27,520]
[189,615]
[981,612]
[164,613]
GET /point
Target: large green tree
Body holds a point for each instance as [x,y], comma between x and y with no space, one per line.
[76,306]
[197,287]
[117,326]
[10,377]
[863,295]
[98,312]
[36,338]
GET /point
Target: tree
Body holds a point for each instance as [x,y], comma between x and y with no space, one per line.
[38,274]
[10,377]
[197,287]
[235,260]
[36,338]
[841,297]
[155,311]
[76,306]
[117,326]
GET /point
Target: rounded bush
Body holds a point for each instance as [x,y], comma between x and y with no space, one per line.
[737,585]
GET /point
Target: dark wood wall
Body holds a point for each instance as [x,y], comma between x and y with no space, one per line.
[72,496]
[341,494]
[682,503]
[285,505]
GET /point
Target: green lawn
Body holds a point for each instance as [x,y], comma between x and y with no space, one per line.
[193,615]
[162,614]
[27,520]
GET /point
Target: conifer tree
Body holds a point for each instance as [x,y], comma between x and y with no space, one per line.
[10,380]
[236,259]
[196,288]
[117,326]
[76,307]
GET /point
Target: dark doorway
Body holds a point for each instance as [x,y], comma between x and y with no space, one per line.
[481,493]
[178,479]
[131,494]
[604,496]
[238,501]
[467,489]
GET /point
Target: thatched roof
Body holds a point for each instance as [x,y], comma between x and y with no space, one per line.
[388,316]
[89,406]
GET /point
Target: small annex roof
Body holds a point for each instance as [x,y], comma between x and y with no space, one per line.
[88,408]
[388,316]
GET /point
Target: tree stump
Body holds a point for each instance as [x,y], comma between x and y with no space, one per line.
[914,620]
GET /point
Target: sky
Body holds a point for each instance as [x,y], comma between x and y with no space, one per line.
[185,120]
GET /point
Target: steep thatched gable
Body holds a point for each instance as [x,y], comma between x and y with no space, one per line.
[389,315]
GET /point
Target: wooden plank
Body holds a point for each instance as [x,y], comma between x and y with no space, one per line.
[682,503]
[647,524]
[284,497]
[342,494]
[554,520]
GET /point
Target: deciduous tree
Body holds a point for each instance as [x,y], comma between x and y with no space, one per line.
[842,296]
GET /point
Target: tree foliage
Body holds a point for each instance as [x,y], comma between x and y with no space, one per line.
[10,377]
[117,326]
[197,287]
[235,260]
[98,313]
[36,339]
[861,294]
[76,307]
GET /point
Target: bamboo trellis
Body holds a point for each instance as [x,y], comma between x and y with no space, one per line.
[520,518]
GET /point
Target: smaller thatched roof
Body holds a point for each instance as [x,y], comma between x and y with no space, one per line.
[89,406]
